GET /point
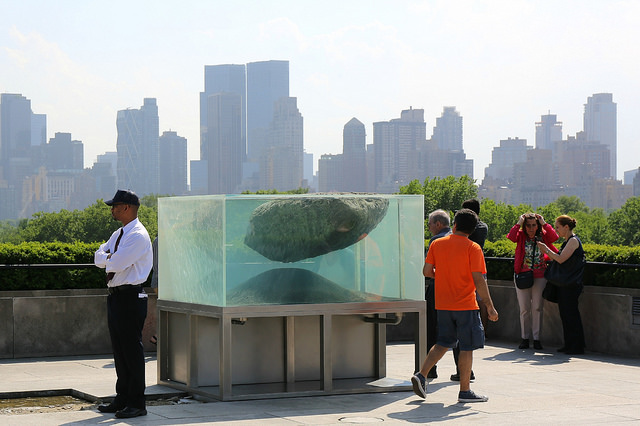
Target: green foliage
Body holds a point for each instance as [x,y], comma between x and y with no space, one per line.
[571,204]
[500,217]
[596,272]
[443,193]
[275,191]
[93,224]
[9,232]
[49,279]
[623,224]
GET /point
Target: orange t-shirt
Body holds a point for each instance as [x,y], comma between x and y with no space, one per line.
[454,258]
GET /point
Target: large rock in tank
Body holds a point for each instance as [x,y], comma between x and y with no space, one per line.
[290,230]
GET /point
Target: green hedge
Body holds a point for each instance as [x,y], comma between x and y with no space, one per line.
[596,275]
[52,279]
[49,279]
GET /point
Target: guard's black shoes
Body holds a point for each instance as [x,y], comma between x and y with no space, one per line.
[129,412]
[109,408]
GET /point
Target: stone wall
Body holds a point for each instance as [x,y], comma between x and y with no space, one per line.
[606,313]
[60,323]
[74,322]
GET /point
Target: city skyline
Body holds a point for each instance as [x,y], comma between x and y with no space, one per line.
[501,64]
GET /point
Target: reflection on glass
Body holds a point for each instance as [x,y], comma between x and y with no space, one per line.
[238,250]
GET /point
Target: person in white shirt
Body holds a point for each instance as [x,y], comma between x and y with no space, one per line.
[127,258]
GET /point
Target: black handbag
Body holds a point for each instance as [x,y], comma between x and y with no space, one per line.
[567,273]
[550,293]
[524,279]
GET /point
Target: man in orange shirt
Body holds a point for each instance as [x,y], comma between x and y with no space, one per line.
[457,265]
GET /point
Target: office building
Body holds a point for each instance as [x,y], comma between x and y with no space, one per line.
[281,163]
[172,163]
[137,145]
[354,151]
[228,78]
[267,82]
[224,129]
[600,124]
[63,153]
[330,169]
[20,149]
[394,141]
[548,132]
[447,132]
[503,158]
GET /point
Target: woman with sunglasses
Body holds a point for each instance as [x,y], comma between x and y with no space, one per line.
[531,228]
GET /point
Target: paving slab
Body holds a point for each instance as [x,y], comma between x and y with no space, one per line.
[524,387]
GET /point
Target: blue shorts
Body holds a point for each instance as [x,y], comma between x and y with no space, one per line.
[464,327]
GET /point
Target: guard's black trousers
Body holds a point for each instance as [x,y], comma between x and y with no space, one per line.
[126,312]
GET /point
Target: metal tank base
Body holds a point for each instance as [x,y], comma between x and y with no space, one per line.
[280,351]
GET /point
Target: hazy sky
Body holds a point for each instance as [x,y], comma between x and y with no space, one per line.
[502,64]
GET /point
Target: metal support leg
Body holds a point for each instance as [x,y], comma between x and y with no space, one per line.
[290,352]
[225,358]
[325,347]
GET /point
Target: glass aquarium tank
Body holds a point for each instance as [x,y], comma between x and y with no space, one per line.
[244,250]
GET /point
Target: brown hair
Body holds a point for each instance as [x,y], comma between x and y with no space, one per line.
[565,220]
[531,216]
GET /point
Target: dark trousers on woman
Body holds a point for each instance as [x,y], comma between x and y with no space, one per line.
[570,316]
[126,312]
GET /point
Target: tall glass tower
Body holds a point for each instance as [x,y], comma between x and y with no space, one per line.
[448,130]
[267,82]
[228,78]
[600,124]
[137,145]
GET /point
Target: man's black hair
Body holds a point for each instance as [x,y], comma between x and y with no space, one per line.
[472,204]
[465,220]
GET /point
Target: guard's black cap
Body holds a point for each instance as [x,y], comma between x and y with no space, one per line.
[124,196]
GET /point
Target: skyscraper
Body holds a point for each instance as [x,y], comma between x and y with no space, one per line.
[224,124]
[448,130]
[394,141]
[15,137]
[229,78]
[172,163]
[600,124]
[267,82]
[16,153]
[137,145]
[503,158]
[62,153]
[354,151]
[281,164]
[548,133]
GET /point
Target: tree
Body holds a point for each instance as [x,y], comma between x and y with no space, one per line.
[623,224]
[592,226]
[571,204]
[500,217]
[443,193]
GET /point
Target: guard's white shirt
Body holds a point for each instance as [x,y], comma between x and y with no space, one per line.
[132,261]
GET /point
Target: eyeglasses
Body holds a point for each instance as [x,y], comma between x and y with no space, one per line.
[531,225]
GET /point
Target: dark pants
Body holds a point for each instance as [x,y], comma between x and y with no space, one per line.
[570,316]
[432,316]
[126,312]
